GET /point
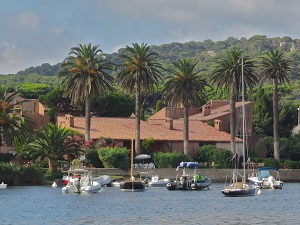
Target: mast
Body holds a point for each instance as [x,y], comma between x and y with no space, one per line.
[131,165]
[243,118]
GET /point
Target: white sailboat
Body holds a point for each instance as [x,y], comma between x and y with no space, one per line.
[240,188]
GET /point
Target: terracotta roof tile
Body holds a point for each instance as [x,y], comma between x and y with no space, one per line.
[123,129]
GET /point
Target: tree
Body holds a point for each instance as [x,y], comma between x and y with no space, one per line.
[139,72]
[262,107]
[276,68]
[85,72]
[13,126]
[53,142]
[33,90]
[228,73]
[113,105]
[189,87]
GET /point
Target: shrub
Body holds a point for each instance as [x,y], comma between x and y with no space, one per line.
[6,157]
[31,175]
[147,145]
[92,158]
[115,157]
[53,175]
[169,159]
[271,162]
[210,153]
[289,164]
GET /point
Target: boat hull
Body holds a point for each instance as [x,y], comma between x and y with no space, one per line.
[239,192]
[179,185]
[3,186]
[132,186]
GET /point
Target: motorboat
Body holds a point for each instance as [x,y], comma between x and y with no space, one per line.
[189,179]
[2,185]
[81,181]
[157,182]
[266,178]
[103,179]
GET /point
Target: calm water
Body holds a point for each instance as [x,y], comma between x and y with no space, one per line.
[46,205]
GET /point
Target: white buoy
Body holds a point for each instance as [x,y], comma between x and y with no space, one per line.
[259,192]
[54,185]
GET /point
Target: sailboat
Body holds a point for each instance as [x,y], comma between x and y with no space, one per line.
[132,185]
[236,188]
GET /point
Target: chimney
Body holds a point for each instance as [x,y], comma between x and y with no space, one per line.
[206,110]
[69,120]
[218,125]
[169,124]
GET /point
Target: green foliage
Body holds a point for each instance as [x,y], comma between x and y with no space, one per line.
[159,105]
[15,175]
[92,158]
[6,157]
[147,145]
[53,175]
[13,127]
[169,159]
[262,112]
[115,157]
[271,162]
[56,102]
[33,90]
[45,69]
[142,114]
[53,142]
[266,144]
[289,164]
[31,175]
[113,105]
[220,157]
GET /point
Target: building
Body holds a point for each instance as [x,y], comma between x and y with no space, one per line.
[167,133]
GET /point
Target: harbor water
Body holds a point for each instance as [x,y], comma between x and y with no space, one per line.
[36,205]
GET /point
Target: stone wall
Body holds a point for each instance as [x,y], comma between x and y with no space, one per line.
[216,175]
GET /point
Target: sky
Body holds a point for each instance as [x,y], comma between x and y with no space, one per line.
[33,32]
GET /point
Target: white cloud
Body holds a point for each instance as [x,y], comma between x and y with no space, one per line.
[10,56]
[28,20]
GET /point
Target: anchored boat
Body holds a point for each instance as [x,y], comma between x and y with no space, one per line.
[189,179]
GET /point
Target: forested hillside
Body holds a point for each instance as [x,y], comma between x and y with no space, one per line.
[205,53]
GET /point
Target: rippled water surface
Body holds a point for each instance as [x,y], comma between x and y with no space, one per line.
[45,205]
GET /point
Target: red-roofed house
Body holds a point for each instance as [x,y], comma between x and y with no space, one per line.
[168,133]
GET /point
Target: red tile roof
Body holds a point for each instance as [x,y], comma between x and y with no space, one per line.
[123,129]
[217,112]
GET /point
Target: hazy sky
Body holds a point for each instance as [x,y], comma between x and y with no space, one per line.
[33,32]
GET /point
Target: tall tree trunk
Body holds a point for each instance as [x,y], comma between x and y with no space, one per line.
[276,119]
[186,131]
[52,165]
[137,119]
[87,118]
[232,117]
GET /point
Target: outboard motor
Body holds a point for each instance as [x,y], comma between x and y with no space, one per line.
[77,185]
[271,181]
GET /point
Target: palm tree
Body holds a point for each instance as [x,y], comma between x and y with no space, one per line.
[53,142]
[140,71]
[13,126]
[276,68]
[184,86]
[85,73]
[228,73]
